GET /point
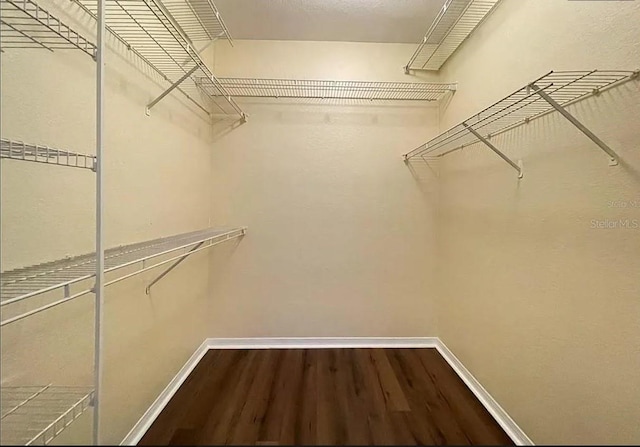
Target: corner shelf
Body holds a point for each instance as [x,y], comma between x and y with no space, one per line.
[18,150]
[327,89]
[24,24]
[59,276]
[455,22]
[35,415]
[147,28]
[551,92]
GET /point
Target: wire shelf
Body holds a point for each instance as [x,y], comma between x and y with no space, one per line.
[35,415]
[24,24]
[522,106]
[58,276]
[199,19]
[17,150]
[147,28]
[455,22]
[326,89]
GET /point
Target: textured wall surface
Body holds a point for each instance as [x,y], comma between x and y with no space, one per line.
[340,236]
[156,178]
[541,307]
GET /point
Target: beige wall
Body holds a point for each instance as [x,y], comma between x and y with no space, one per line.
[157,184]
[340,237]
[542,308]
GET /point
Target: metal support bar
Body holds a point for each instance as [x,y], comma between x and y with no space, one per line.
[99,285]
[172,266]
[495,149]
[170,89]
[613,160]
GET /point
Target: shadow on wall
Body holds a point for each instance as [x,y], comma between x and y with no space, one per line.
[223,125]
[337,112]
[426,173]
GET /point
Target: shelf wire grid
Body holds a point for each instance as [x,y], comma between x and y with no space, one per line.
[199,19]
[147,28]
[24,24]
[20,284]
[455,22]
[524,105]
[35,415]
[18,150]
[327,89]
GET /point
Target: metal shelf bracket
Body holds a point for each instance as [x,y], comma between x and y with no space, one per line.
[172,266]
[613,157]
[169,90]
[194,249]
[516,166]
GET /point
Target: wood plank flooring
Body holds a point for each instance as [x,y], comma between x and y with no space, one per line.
[324,397]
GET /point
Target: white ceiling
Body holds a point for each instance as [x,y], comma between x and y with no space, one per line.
[397,21]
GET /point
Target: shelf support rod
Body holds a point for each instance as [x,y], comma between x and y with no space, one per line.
[170,89]
[99,171]
[613,160]
[172,266]
[495,149]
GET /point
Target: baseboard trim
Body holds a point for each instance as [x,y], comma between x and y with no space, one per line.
[322,342]
[517,435]
[149,416]
[500,415]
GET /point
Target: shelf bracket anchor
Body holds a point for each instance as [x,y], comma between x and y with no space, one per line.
[170,89]
[517,167]
[613,157]
[174,265]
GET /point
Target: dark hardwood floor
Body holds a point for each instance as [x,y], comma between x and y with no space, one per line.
[324,397]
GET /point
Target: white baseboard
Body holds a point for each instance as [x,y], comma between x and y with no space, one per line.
[500,415]
[143,424]
[322,342]
[516,434]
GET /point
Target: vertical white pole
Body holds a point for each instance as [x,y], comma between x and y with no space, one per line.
[99,286]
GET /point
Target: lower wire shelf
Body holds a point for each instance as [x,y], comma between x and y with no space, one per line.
[35,415]
[63,278]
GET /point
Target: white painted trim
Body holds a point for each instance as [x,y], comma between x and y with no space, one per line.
[499,414]
[512,429]
[143,424]
[322,342]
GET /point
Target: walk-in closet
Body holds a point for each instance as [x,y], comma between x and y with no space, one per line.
[319,222]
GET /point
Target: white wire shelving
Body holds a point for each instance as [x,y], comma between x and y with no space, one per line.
[59,277]
[199,19]
[18,150]
[455,22]
[328,89]
[552,92]
[147,28]
[35,415]
[24,24]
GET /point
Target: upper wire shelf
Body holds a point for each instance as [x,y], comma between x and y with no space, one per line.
[327,89]
[24,24]
[199,19]
[60,276]
[147,28]
[455,22]
[35,415]
[522,106]
[17,150]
